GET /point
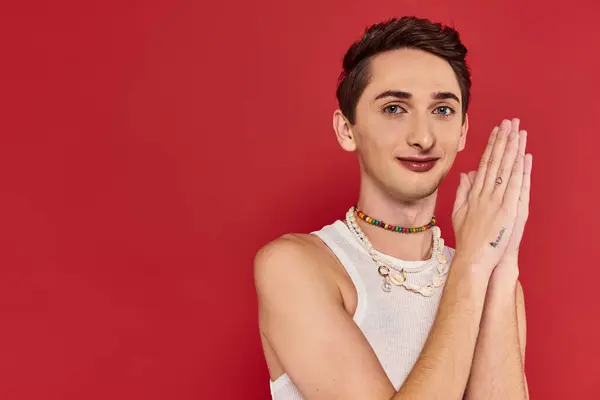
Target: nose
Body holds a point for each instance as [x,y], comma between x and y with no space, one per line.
[420,135]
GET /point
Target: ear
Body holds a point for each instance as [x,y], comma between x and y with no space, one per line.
[463,134]
[343,131]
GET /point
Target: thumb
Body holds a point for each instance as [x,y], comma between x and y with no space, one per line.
[464,187]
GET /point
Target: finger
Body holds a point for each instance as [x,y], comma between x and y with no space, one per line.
[471,175]
[526,185]
[462,192]
[483,164]
[523,206]
[496,157]
[515,124]
[515,183]
[516,143]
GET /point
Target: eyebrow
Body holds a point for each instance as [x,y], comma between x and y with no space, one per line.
[399,94]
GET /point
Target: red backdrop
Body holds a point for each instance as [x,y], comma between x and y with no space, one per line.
[148,149]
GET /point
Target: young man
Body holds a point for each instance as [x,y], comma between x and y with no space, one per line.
[375,306]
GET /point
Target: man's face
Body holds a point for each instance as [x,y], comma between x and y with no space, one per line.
[411,107]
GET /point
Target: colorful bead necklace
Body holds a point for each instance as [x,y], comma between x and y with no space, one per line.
[398,277]
[390,227]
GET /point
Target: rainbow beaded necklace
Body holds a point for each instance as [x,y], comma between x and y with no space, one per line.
[390,227]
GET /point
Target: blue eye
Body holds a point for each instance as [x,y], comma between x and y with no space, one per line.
[393,109]
[444,111]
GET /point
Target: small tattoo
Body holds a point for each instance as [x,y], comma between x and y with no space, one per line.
[494,244]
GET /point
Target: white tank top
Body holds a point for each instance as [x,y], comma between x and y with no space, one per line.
[397,323]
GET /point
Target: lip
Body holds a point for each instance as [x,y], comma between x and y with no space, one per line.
[418,159]
[418,164]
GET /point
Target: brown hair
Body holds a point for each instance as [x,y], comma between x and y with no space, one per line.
[407,32]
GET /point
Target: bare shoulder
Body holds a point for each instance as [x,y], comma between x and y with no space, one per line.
[295,284]
[292,259]
[306,329]
[287,246]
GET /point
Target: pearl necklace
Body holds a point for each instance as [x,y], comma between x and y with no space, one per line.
[392,275]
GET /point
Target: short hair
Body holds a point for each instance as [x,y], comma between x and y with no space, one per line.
[406,32]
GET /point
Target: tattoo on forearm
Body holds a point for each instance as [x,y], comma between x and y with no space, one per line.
[494,244]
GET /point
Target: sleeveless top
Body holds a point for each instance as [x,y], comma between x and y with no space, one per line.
[396,324]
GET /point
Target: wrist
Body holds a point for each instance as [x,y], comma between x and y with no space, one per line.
[504,279]
[477,272]
[507,270]
[509,260]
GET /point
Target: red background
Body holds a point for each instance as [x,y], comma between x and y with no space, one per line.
[148,149]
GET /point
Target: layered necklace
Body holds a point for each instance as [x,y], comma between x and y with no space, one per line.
[391,274]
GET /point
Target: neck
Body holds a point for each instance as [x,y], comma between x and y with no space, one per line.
[405,246]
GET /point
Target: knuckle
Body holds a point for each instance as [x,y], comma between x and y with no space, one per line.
[495,200]
[472,197]
[502,213]
[507,208]
[517,167]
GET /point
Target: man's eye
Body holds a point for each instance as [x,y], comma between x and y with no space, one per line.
[393,109]
[444,111]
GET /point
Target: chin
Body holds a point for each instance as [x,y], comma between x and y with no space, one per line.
[407,194]
[417,189]
[416,195]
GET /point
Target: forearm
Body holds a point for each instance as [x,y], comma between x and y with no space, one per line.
[497,371]
[442,370]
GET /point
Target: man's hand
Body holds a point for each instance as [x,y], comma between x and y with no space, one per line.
[509,260]
[498,363]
